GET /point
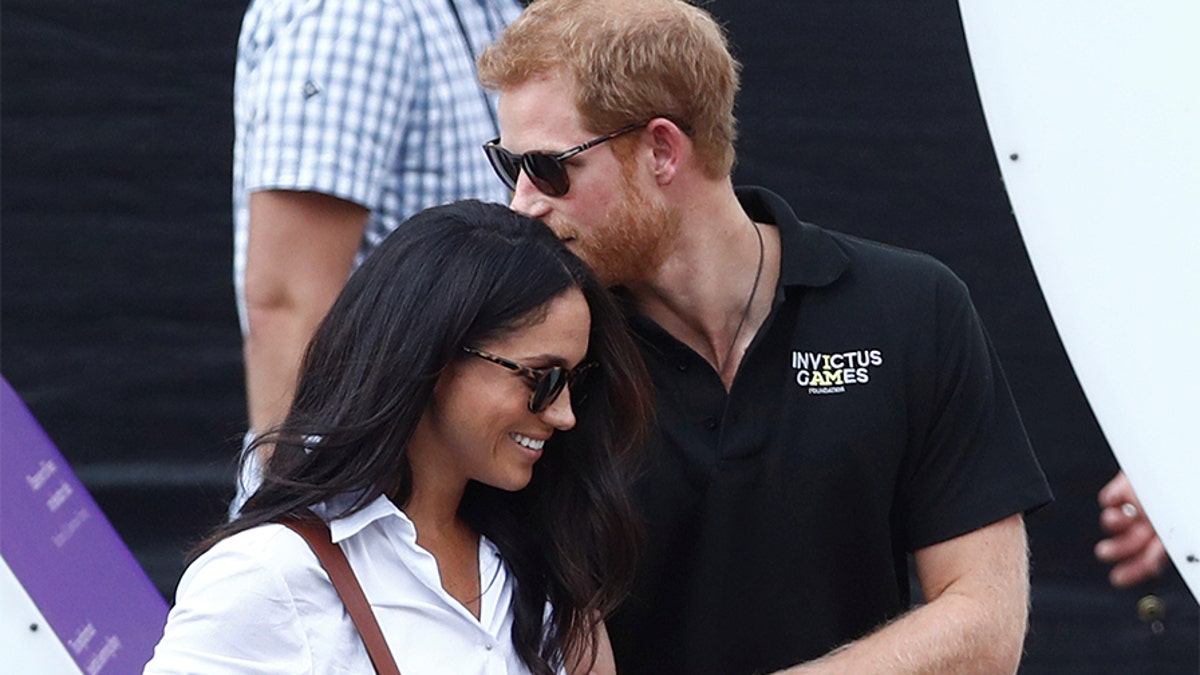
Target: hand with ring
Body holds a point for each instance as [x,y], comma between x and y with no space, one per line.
[1132,547]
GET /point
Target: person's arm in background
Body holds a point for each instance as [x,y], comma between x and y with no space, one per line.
[977,591]
[1133,547]
[300,252]
[321,97]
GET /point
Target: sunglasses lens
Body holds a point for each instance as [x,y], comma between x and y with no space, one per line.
[547,389]
[506,164]
[576,378]
[547,173]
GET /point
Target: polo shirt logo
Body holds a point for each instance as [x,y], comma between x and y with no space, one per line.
[823,373]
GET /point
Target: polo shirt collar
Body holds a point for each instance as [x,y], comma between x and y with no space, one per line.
[811,256]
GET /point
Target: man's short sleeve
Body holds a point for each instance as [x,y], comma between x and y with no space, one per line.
[329,86]
[974,465]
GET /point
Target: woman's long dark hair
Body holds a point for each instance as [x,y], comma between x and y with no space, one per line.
[466,274]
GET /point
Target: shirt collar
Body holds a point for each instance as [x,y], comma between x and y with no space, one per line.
[341,528]
[811,256]
[344,527]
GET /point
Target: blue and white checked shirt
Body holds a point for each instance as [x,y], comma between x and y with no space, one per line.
[372,101]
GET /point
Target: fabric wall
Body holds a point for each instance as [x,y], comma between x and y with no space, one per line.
[118,323]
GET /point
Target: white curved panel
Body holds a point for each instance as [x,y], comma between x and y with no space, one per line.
[27,641]
[1094,113]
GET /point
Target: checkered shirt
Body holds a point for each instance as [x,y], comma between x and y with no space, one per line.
[372,101]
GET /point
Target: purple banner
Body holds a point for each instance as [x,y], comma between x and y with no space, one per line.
[67,556]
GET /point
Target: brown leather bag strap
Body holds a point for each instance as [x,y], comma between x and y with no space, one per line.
[316,533]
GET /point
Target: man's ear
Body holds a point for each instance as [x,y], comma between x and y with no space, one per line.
[670,146]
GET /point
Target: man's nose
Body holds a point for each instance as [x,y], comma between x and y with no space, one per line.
[528,200]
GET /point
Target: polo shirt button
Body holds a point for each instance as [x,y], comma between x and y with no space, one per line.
[488,646]
[711,423]
[1152,610]
[683,367]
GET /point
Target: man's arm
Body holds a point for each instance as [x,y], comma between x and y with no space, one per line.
[301,249]
[977,591]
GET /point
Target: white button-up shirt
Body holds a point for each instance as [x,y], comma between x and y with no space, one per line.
[260,602]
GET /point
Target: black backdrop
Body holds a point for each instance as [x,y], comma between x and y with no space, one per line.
[117,308]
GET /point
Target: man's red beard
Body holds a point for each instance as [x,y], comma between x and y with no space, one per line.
[635,238]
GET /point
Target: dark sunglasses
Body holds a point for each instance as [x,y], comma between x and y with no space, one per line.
[547,383]
[545,169]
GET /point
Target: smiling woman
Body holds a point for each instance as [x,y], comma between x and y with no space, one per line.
[482,425]
[484,512]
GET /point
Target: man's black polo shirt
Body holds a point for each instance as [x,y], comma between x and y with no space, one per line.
[868,419]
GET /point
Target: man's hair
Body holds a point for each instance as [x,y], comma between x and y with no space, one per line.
[629,61]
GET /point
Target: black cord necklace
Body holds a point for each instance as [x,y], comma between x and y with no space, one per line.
[750,302]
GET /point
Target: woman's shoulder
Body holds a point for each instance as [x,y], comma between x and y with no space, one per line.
[262,539]
[264,576]
[270,543]
[264,556]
